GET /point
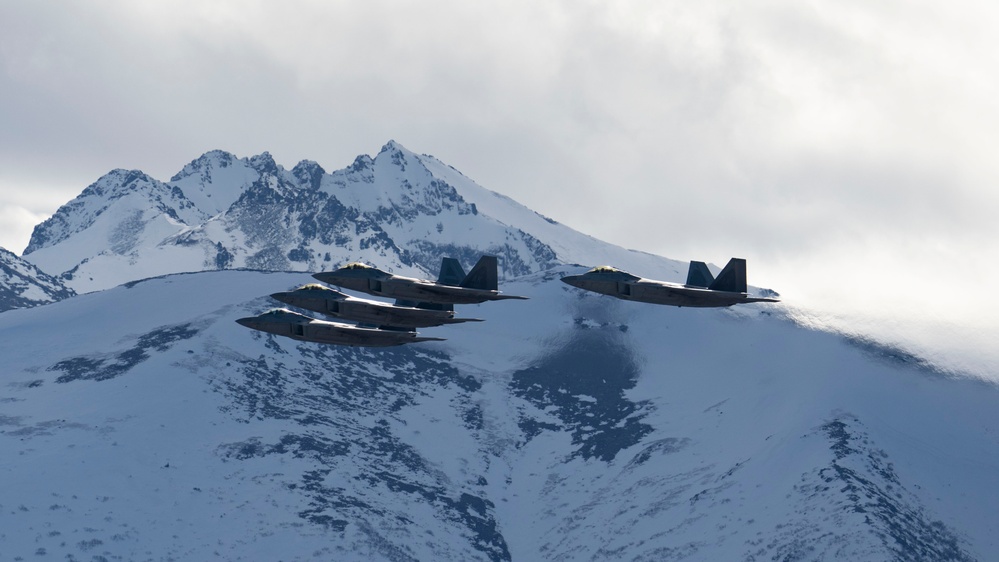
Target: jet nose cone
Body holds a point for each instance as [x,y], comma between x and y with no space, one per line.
[282,296]
[248,322]
[323,276]
[571,280]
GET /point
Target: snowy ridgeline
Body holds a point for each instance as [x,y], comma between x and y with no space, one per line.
[398,210]
[142,423]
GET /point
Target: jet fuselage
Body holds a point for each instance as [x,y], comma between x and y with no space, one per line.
[408,288]
[728,289]
[297,326]
[660,292]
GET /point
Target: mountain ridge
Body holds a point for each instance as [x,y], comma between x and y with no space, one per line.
[222,212]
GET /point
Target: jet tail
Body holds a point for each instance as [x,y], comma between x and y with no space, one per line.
[483,276]
[732,278]
[699,275]
[451,272]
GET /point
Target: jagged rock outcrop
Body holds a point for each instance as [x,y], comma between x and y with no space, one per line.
[23,285]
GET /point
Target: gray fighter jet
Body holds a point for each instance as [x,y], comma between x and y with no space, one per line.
[300,327]
[701,289]
[480,285]
[318,298]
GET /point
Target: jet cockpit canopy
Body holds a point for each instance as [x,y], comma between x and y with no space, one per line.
[316,287]
[283,315]
[608,273]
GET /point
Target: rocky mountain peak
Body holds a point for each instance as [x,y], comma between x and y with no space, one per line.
[204,165]
[217,179]
[392,146]
[396,155]
[116,183]
[361,163]
[118,188]
[264,163]
[309,173]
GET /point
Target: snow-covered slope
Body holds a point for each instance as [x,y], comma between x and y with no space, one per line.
[23,285]
[142,423]
[398,209]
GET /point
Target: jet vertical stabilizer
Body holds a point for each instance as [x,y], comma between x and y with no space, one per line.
[483,276]
[699,275]
[732,278]
[451,272]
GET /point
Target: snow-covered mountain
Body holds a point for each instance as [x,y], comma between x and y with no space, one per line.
[400,210]
[23,285]
[140,422]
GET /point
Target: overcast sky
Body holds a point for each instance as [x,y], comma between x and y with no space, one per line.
[845,148]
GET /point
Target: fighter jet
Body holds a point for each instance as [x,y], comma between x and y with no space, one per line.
[480,285]
[701,289]
[318,298]
[284,322]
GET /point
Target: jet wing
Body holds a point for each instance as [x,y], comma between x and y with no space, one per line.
[335,332]
[462,293]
